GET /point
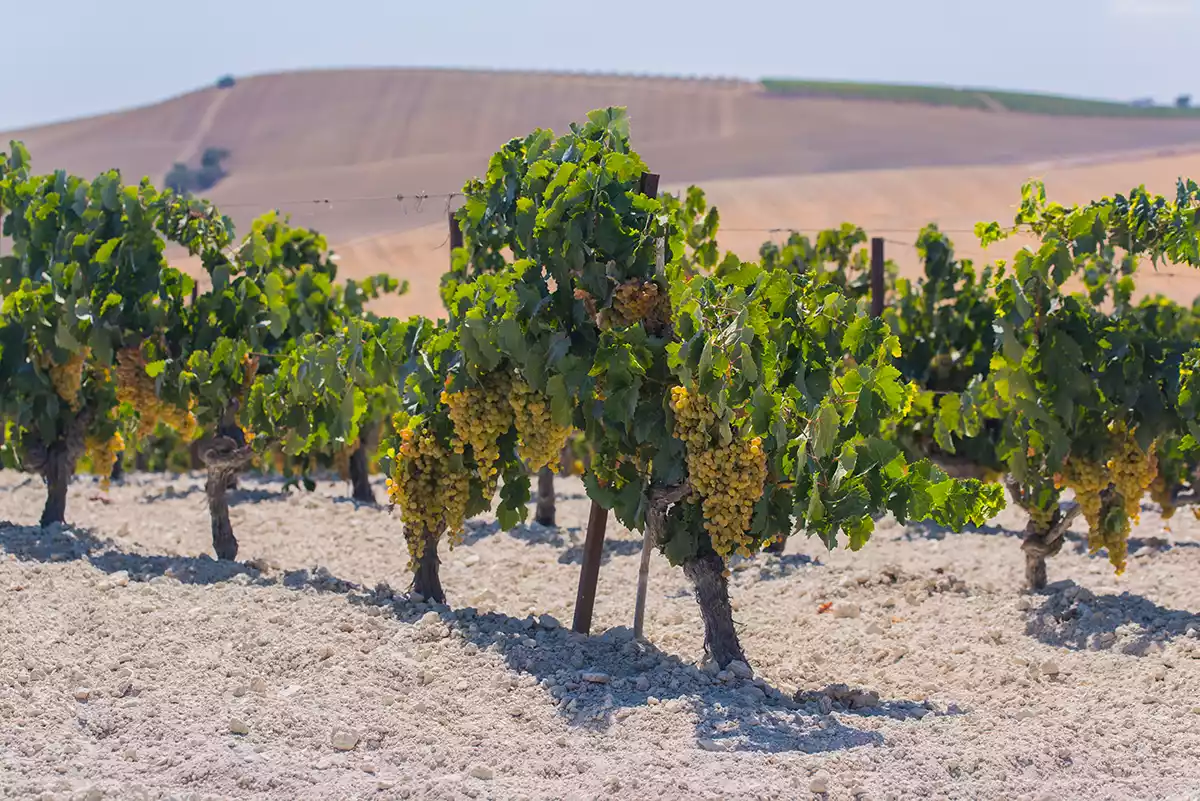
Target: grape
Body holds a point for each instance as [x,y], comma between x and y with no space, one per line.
[1161,494]
[1127,472]
[67,379]
[102,455]
[633,302]
[729,478]
[137,389]
[481,415]
[432,494]
[541,440]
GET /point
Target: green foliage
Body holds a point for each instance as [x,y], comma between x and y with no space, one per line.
[767,345]
[86,276]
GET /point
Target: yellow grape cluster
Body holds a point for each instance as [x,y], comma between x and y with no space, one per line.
[481,415]
[637,301]
[341,462]
[137,389]
[1129,470]
[102,455]
[431,493]
[67,379]
[541,440]
[729,478]
[1161,494]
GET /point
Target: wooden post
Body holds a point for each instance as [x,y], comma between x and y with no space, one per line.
[456,237]
[877,276]
[593,544]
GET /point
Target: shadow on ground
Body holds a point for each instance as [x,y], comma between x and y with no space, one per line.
[594,682]
[1074,617]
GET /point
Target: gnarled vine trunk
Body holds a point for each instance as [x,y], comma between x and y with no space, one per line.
[360,472]
[56,472]
[426,576]
[224,456]
[1041,542]
[55,463]
[707,574]
[544,512]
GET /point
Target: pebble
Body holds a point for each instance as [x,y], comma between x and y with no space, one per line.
[642,684]
[121,578]
[238,726]
[740,669]
[1050,667]
[325,652]
[548,622]
[344,739]
[819,784]
[481,772]
[710,745]
[846,610]
[82,694]
[259,686]
[875,629]
[594,677]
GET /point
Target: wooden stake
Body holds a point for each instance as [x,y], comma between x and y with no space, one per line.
[589,573]
[877,276]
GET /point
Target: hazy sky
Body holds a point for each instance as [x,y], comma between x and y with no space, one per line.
[67,58]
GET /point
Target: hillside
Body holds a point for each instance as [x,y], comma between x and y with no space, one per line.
[335,148]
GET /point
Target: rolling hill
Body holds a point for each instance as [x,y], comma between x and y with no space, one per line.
[335,148]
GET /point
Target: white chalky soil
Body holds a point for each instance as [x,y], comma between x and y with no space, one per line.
[133,666]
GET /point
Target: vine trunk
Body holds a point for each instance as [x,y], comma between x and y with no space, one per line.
[545,512]
[427,580]
[707,574]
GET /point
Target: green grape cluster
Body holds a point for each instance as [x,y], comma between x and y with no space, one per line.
[729,478]
[481,415]
[431,492]
[1128,471]
[101,455]
[637,301]
[541,439]
[1161,494]
[67,379]
[136,387]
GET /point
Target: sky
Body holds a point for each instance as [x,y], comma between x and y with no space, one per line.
[72,58]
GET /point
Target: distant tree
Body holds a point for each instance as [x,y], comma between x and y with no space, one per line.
[226,82]
[1183,101]
[186,180]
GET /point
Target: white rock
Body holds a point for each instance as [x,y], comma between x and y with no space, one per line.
[344,739]
[238,726]
[120,578]
[710,745]
[258,685]
[82,694]
[846,610]
[739,669]
[481,772]
[875,629]
[594,677]
[1050,667]
[325,652]
[819,784]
